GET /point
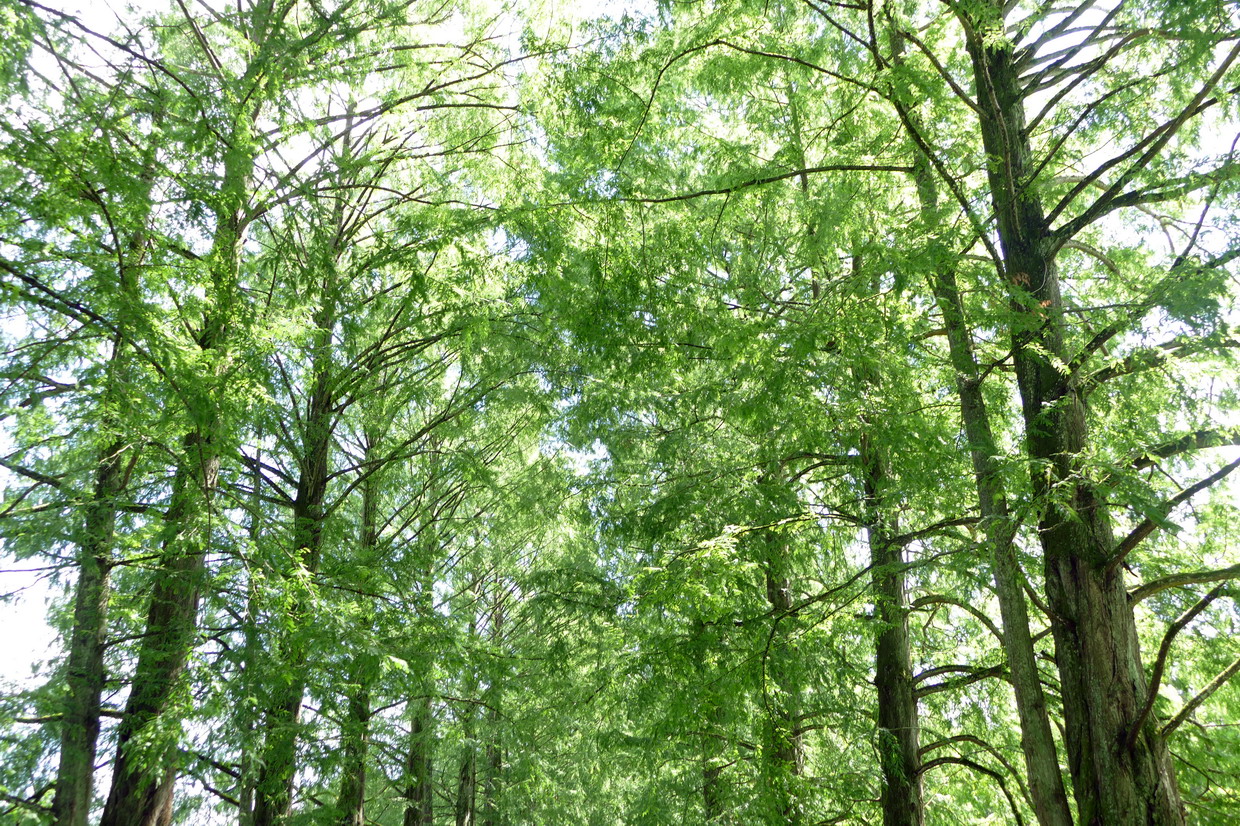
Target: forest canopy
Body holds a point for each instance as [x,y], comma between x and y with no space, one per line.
[493,413]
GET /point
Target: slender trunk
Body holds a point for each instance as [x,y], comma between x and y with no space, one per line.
[781,694]
[84,673]
[898,739]
[274,792]
[466,788]
[898,725]
[142,779]
[351,802]
[1050,799]
[419,801]
[250,654]
[492,814]
[467,778]
[1046,787]
[1117,779]
[712,713]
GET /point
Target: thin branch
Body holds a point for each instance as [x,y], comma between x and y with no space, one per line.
[1180,580]
[1147,527]
[1201,696]
[1160,664]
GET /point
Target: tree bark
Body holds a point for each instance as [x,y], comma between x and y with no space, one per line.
[492,812]
[351,802]
[783,749]
[273,797]
[898,727]
[1116,779]
[419,800]
[141,793]
[84,673]
[1050,799]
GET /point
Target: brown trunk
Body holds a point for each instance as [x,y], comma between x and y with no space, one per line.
[898,740]
[783,749]
[898,725]
[1117,780]
[141,793]
[84,672]
[466,785]
[492,814]
[351,803]
[419,801]
[1050,799]
[273,796]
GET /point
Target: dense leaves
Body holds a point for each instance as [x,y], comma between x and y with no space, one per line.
[716,413]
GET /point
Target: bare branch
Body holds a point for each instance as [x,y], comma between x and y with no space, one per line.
[1201,696]
[1147,527]
[1160,664]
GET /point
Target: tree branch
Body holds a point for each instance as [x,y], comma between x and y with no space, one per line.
[1201,696]
[1160,664]
[1147,527]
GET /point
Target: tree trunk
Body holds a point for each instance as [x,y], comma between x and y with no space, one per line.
[351,802]
[492,813]
[898,739]
[466,786]
[274,792]
[898,726]
[141,793]
[1117,778]
[783,747]
[84,672]
[1050,800]
[419,800]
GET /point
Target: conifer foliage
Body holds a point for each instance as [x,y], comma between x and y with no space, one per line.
[711,413]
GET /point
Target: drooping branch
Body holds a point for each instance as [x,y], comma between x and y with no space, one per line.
[978,614]
[988,748]
[977,767]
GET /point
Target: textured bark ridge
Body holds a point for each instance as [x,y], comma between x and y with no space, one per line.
[1095,634]
[141,793]
[898,727]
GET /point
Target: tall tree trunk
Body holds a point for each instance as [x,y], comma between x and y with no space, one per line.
[898,737]
[1046,787]
[84,673]
[466,788]
[783,750]
[492,813]
[711,709]
[1050,799]
[1117,778]
[351,802]
[419,800]
[141,793]
[274,791]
